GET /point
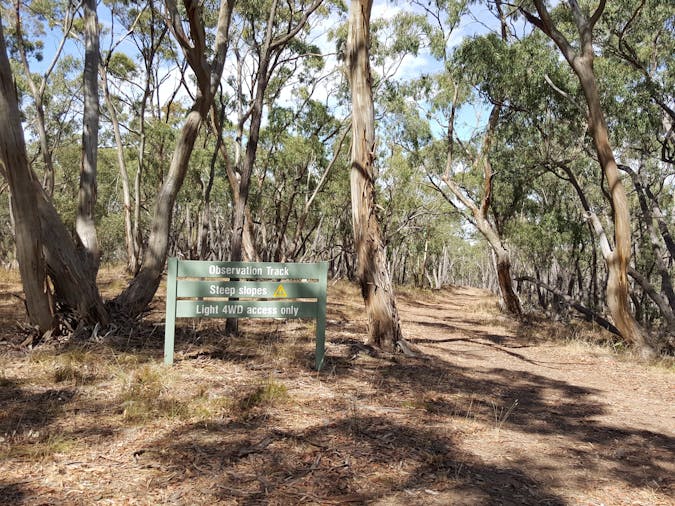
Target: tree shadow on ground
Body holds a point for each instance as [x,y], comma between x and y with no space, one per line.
[503,343]
[405,435]
[25,426]
[11,493]
[533,404]
[329,461]
[23,411]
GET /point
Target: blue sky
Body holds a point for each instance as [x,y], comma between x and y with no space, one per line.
[410,67]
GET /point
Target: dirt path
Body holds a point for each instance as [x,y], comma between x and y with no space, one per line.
[495,412]
[574,420]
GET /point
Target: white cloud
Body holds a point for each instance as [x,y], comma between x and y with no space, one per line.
[383,9]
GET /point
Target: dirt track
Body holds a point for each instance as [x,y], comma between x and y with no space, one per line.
[495,412]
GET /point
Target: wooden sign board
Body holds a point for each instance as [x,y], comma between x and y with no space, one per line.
[203,289]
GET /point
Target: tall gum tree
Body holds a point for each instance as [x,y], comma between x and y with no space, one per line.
[85,224]
[478,213]
[150,40]
[268,54]
[73,286]
[121,161]
[617,258]
[119,65]
[135,298]
[376,287]
[14,168]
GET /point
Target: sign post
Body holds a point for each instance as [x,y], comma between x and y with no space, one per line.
[203,289]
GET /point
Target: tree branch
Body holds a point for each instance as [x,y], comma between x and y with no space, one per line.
[281,41]
[546,25]
[565,95]
[590,314]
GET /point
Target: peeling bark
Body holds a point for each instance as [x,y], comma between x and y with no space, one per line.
[22,186]
[581,61]
[376,287]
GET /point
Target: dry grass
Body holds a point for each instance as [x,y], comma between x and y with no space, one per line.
[145,394]
[270,393]
[10,277]
[495,411]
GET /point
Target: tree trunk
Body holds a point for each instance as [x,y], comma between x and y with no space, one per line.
[613,270]
[73,285]
[580,60]
[479,215]
[508,298]
[250,252]
[248,162]
[376,288]
[617,261]
[14,167]
[241,202]
[135,298]
[85,223]
[142,288]
[124,175]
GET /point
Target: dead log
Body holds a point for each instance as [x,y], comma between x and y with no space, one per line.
[590,314]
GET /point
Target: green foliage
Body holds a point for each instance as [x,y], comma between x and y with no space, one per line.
[122,66]
[542,127]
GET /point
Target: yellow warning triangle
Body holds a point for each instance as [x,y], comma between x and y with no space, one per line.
[280,292]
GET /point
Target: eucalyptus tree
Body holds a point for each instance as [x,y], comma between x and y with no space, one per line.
[580,58]
[38,86]
[376,286]
[142,288]
[119,75]
[85,223]
[450,92]
[637,43]
[150,41]
[544,137]
[71,266]
[73,279]
[14,168]
[120,65]
[73,285]
[269,39]
[537,128]
[143,108]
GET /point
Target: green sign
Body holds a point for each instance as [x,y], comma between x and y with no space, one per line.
[203,289]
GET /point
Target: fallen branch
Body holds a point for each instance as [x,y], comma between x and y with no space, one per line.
[590,314]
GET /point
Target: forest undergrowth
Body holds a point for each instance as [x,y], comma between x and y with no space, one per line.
[492,411]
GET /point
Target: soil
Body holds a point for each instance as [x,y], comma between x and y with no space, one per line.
[492,411]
